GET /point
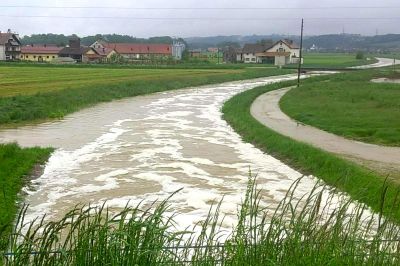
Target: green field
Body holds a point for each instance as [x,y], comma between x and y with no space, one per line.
[34,92]
[351,106]
[333,60]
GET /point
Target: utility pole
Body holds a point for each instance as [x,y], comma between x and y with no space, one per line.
[301,53]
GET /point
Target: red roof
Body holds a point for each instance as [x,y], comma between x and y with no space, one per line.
[135,48]
[48,49]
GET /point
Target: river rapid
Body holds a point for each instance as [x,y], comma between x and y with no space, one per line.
[147,147]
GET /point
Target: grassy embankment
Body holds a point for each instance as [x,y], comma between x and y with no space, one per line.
[34,93]
[333,60]
[15,165]
[351,106]
[313,232]
[360,183]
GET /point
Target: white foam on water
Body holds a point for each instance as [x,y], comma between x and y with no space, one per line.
[161,149]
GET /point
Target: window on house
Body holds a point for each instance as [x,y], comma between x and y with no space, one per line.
[253,59]
[48,56]
[34,56]
[247,59]
[54,56]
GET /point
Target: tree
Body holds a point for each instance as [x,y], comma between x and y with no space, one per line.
[360,55]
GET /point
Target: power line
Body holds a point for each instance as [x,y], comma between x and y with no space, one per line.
[202,18]
[201,8]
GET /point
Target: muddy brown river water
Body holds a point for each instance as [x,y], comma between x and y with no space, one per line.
[145,148]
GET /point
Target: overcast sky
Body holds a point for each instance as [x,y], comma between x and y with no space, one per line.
[200,22]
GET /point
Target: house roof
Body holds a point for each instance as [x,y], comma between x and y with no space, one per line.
[259,48]
[74,51]
[103,51]
[289,43]
[253,48]
[5,37]
[41,49]
[136,48]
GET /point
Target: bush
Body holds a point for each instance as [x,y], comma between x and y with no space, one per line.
[359,55]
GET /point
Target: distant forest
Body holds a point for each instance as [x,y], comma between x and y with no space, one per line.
[62,40]
[332,42]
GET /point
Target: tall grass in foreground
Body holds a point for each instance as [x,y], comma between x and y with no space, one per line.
[319,229]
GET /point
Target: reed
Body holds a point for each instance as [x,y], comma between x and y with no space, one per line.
[320,228]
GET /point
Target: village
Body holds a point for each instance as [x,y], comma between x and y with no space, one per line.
[278,53]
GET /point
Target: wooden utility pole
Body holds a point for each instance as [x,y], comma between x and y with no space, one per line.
[301,53]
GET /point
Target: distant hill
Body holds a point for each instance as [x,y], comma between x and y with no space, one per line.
[331,42]
[62,40]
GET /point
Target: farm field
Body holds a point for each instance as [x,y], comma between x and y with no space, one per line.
[351,106]
[334,60]
[30,93]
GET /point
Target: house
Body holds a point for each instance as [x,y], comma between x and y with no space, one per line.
[79,53]
[280,53]
[140,51]
[106,54]
[10,46]
[230,54]
[177,50]
[40,53]
[250,51]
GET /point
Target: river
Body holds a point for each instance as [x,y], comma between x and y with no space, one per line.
[145,148]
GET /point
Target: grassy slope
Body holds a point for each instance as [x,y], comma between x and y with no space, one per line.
[352,107]
[41,92]
[333,60]
[358,182]
[15,163]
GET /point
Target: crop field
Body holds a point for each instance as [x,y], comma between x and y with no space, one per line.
[30,93]
[351,106]
[31,80]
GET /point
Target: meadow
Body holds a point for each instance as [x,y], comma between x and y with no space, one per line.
[349,105]
[35,92]
[334,60]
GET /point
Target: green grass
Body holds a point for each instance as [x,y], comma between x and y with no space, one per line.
[34,93]
[361,184]
[15,164]
[316,230]
[333,60]
[351,106]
